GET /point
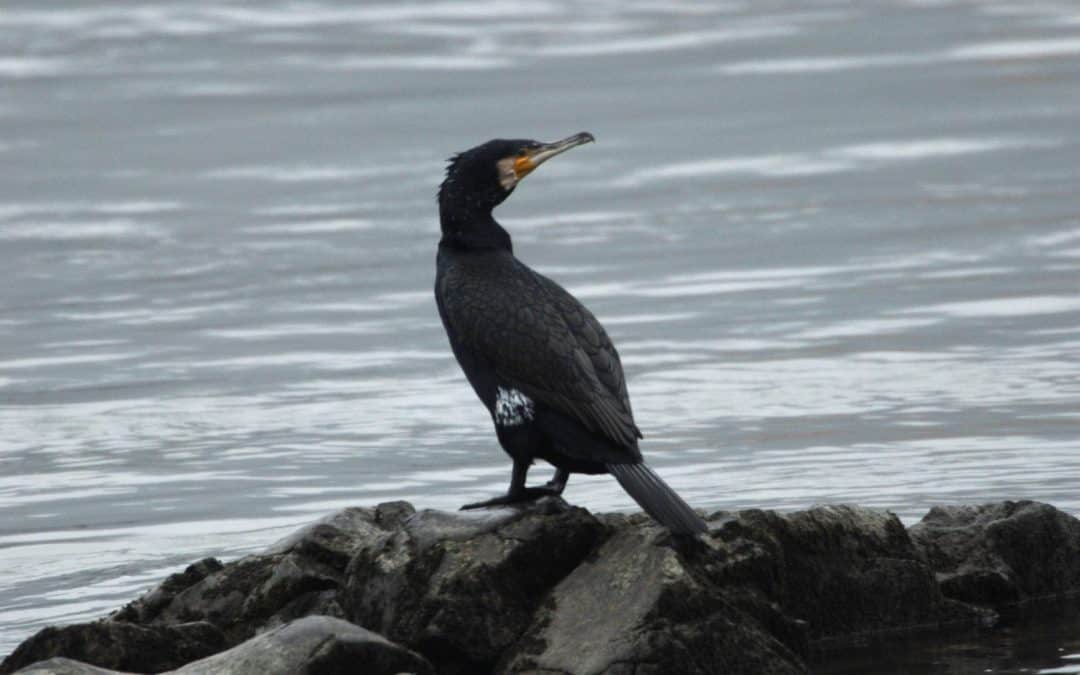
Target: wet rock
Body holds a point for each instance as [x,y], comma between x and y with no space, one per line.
[844,570]
[642,604]
[297,576]
[61,666]
[150,605]
[1000,553]
[120,645]
[235,597]
[462,587]
[314,645]
[548,588]
[334,540]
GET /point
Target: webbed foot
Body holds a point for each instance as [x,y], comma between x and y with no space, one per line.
[524,495]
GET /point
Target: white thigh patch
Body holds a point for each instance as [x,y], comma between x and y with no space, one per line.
[512,407]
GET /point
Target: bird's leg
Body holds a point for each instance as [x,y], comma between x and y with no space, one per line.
[558,482]
[519,493]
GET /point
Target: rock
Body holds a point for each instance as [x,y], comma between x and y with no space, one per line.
[1000,553]
[545,587]
[314,645]
[298,576]
[334,540]
[60,666]
[120,645]
[150,605]
[238,598]
[462,587]
[640,605]
[844,570]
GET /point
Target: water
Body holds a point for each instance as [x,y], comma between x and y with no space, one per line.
[1042,639]
[837,245]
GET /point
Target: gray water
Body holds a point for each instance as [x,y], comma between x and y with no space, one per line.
[838,246]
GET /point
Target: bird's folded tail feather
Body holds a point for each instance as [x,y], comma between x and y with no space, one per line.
[657,498]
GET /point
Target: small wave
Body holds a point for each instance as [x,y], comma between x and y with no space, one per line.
[182,19]
[104,229]
[307,209]
[32,66]
[578,218]
[656,317]
[55,361]
[822,64]
[277,331]
[1031,305]
[714,288]
[829,160]
[762,165]
[313,227]
[126,208]
[983,51]
[1056,238]
[920,149]
[305,173]
[1016,49]
[664,42]
[329,361]
[424,62]
[863,327]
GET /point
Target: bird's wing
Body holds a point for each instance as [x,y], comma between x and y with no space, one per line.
[539,338]
[593,340]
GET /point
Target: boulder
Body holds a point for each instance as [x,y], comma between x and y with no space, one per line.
[314,645]
[641,604]
[120,645]
[298,576]
[461,587]
[144,609]
[844,570]
[548,588]
[1000,553]
[58,665]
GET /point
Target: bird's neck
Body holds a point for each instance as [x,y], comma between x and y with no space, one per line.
[471,228]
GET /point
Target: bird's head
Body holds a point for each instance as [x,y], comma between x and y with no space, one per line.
[480,178]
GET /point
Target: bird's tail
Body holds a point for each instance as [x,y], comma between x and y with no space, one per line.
[658,500]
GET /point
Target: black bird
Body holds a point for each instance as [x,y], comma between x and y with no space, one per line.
[536,357]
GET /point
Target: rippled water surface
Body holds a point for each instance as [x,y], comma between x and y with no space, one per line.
[837,244]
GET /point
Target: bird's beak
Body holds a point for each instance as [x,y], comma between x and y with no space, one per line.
[524,165]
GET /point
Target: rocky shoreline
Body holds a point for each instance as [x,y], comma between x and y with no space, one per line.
[551,588]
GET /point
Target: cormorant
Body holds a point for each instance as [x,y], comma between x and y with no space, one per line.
[537,358]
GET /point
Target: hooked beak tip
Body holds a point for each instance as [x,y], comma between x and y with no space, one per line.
[523,166]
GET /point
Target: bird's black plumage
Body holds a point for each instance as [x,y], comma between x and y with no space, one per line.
[538,359]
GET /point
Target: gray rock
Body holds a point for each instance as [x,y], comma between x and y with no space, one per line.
[640,605]
[844,570]
[314,645]
[120,645]
[233,598]
[999,553]
[335,539]
[462,587]
[297,576]
[544,587]
[150,605]
[60,666]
